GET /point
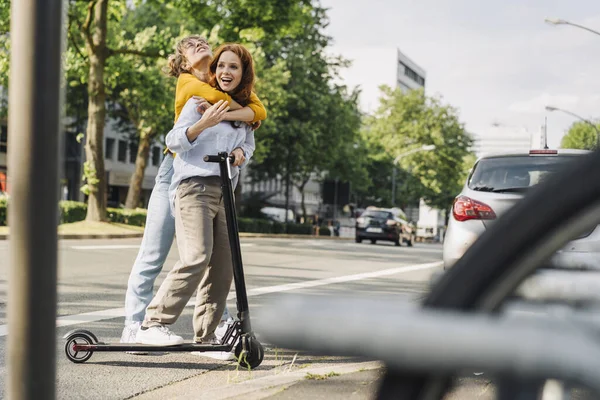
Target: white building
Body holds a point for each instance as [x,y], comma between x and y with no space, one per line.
[119,163]
[409,75]
[273,191]
[503,138]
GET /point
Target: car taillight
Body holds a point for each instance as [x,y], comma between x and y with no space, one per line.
[465,208]
[542,152]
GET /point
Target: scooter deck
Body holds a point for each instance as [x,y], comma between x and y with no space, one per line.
[151,348]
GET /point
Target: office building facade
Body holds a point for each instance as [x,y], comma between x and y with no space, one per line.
[409,75]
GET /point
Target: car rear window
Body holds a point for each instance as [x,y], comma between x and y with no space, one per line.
[377,214]
[497,174]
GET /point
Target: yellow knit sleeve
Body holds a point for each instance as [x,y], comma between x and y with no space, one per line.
[260,112]
[188,85]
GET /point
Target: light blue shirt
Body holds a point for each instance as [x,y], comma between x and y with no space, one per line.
[189,161]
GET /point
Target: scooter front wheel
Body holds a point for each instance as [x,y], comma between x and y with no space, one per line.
[79,338]
[249,352]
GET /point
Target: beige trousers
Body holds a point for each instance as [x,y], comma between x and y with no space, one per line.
[205,259]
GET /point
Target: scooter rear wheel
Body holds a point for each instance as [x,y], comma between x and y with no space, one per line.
[252,356]
[79,337]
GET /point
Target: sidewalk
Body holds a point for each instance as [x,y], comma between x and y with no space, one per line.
[284,374]
[109,230]
[325,381]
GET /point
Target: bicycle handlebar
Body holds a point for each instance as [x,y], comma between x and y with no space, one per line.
[433,341]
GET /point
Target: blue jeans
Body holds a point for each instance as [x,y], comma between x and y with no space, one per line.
[156,244]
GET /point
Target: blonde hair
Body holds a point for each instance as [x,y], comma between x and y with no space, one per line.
[176,61]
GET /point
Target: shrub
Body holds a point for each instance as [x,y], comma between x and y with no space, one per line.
[324,231]
[255,225]
[300,229]
[72,211]
[136,217]
[3,211]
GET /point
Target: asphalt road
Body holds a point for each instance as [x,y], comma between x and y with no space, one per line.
[92,281]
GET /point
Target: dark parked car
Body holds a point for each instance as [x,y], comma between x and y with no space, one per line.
[383,224]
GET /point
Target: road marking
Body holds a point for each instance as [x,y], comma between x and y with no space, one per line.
[106,247]
[126,246]
[112,313]
[337,279]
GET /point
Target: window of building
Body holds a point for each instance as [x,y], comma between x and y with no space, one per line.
[109,151]
[133,148]
[122,156]
[3,139]
[156,156]
[409,72]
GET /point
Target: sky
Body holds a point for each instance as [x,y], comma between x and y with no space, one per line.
[497,62]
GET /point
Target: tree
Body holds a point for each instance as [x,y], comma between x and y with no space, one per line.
[4,57]
[142,94]
[95,41]
[314,122]
[581,135]
[406,121]
[229,20]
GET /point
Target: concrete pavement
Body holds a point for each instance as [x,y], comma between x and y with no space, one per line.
[92,280]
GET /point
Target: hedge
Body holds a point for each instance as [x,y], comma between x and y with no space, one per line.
[3,211]
[135,217]
[254,225]
[324,231]
[73,211]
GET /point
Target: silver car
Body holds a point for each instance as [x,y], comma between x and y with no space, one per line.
[495,183]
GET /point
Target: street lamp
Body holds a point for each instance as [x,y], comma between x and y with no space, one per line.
[587,121]
[558,21]
[427,147]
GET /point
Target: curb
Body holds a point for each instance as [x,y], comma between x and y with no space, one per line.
[260,388]
[90,236]
[102,236]
[291,236]
[140,234]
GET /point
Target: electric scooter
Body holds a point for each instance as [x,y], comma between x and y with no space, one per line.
[81,344]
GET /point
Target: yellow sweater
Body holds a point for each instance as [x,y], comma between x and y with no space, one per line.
[188,85]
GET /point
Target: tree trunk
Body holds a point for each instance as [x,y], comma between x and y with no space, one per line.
[141,160]
[302,204]
[287,192]
[94,145]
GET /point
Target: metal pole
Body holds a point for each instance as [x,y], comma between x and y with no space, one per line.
[582,27]
[33,129]
[545,133]
[335,200]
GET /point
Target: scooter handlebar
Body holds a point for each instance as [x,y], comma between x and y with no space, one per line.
[217,158]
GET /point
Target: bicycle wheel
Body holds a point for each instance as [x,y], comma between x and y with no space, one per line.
[527,236]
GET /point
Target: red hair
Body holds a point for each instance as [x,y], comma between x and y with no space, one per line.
[242,92]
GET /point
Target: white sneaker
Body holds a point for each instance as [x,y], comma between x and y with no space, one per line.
[129,332]
[219,333]
[222,328]
[158,335]
[128,336]
[217,355]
